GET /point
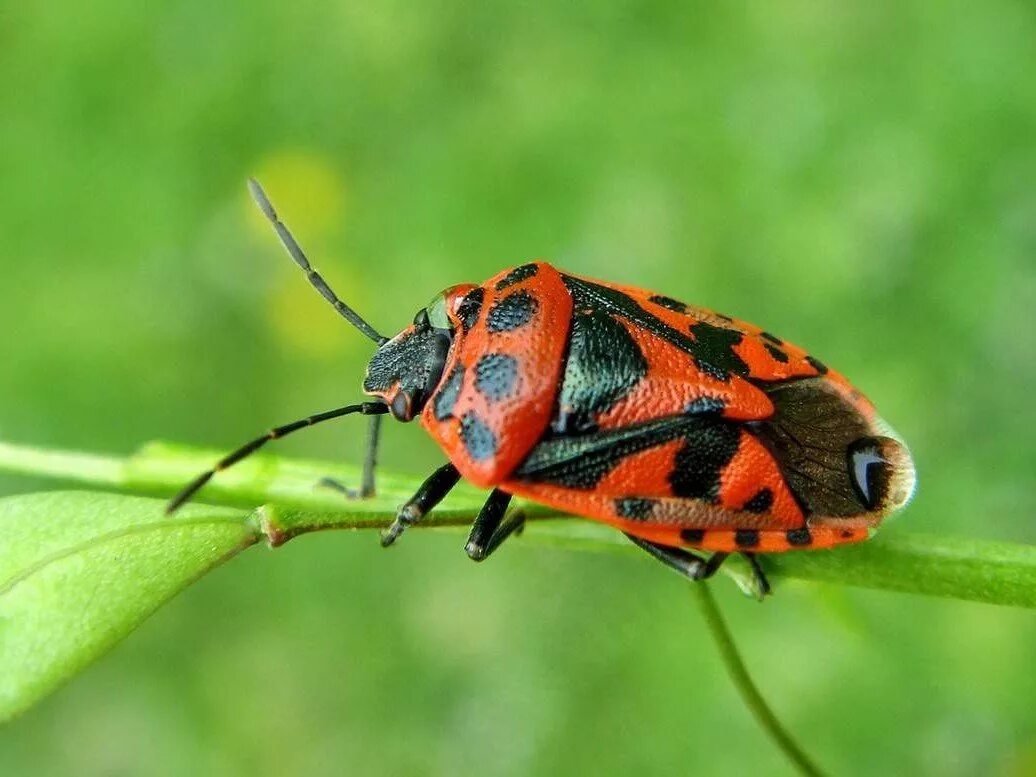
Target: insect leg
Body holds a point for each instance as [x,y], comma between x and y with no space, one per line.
[431,492]
[370,460]
[490,528]
[686,563]
[760,577]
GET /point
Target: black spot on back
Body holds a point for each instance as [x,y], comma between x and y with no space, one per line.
[799,537]
[773,339]
[445,400]
[700,462]
[692,535]
[634,508]
[714,350]
[703,405]
[746,538]
[517,275]
[496,375]
[513,311]
[668,302]
[477,437]
[817,365]
[760,503]
[777,353]
[471,307]
[711,346]
[604,364]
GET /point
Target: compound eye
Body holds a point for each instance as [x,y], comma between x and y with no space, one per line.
[421,319]
[436,311]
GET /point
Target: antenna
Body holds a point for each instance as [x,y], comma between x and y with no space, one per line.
[296,253]
[365,408]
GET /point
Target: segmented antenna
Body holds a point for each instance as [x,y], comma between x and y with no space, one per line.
[366,408]
[296,253]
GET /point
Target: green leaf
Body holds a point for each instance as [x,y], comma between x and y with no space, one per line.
[79,571]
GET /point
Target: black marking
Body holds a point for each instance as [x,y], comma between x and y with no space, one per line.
[517,275]
[746,538]
[799,537]
[705,405]
[723,317]
[444,401]
[668,302]
[777,353]
[634,508]
[478,438]
[604,365]
[817,365]
[692,535]
[700,462]
[773,339]
[714,352]
[711,347]
[496,375]
[470,308]
[760,503]
[513,311]
[581,461]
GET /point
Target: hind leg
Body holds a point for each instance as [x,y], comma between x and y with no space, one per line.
[693,566]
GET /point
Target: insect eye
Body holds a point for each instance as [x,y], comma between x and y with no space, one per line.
[436,312]
[421,319]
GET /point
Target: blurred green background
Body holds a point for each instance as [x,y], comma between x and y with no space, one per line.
[860,180]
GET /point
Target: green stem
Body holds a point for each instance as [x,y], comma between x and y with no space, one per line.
[963,568]
[742,680]
[65,465]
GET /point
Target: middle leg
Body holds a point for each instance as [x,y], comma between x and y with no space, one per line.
[491,528]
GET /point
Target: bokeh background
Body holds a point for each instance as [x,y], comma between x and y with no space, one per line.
[859,178]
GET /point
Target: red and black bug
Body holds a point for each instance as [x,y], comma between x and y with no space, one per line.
[683,428]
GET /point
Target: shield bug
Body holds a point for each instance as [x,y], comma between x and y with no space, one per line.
[685,429]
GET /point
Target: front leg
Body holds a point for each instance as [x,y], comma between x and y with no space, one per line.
[370,461]
[431,492]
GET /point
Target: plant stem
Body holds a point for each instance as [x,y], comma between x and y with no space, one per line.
[959,567]
[746,687]
[84,467]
